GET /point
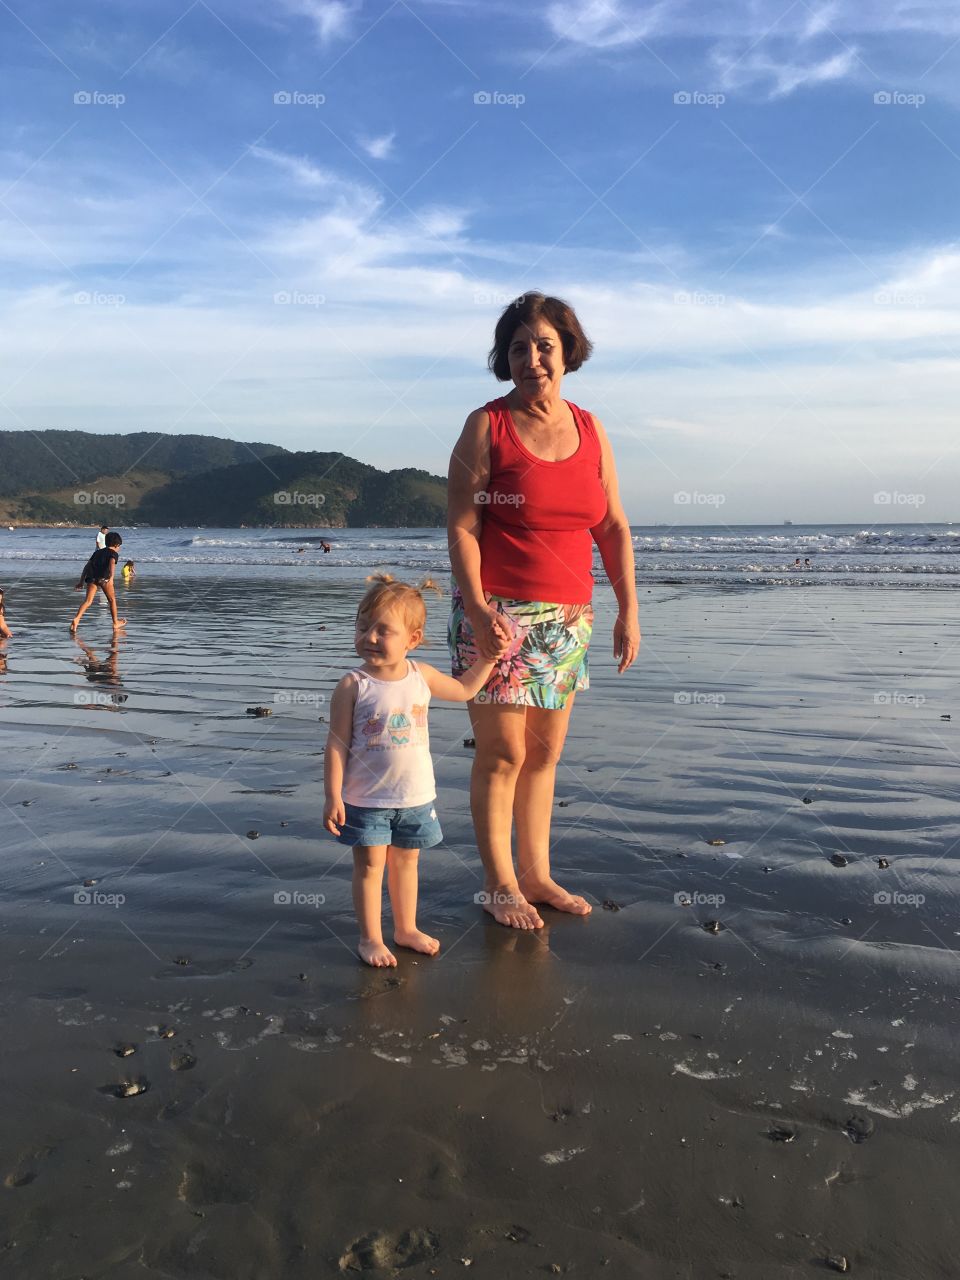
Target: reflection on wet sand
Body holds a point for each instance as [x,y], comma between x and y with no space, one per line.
[104,673]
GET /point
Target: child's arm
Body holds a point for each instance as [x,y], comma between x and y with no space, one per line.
[457,688]
[338,748]
[5,631]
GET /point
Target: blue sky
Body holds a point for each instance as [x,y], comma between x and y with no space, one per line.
[297,223]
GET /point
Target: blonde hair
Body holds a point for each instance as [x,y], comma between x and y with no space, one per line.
[387,593]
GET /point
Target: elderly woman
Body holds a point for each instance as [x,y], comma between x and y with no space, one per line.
[532,486]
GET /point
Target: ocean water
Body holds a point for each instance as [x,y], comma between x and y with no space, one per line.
[847,555]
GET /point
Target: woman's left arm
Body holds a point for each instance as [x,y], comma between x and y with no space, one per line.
[613,538]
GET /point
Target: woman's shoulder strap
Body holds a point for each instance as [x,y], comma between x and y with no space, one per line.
[585,423]
[496,412]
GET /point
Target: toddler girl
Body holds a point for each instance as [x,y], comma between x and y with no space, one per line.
[378,775]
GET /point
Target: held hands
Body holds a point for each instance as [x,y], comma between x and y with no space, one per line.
[490,632]
[334,816]
[626,641]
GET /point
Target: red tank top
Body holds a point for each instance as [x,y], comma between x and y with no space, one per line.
[535,541]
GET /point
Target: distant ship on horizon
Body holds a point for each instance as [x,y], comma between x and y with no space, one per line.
[788,522]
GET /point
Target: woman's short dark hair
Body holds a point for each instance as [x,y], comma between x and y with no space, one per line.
[527,310]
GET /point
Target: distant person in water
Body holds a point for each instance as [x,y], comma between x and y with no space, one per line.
[807,564]
[98,573]
[325,547]
[797,564]
[5,632]
[129,570]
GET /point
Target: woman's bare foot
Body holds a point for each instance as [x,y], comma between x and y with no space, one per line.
[553,895]
[509,907]
[416,940]
[377,954]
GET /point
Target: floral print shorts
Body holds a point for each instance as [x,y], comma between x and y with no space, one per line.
[547,658]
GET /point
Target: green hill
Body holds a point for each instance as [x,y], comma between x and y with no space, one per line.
[176,480]
[37,461]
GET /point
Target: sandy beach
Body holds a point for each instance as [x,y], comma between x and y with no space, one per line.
[635,1094]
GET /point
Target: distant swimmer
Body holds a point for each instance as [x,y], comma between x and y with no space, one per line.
[325,546]
[797,564]
[301,550]
[807,564]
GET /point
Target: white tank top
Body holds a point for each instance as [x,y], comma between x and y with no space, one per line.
[389,765]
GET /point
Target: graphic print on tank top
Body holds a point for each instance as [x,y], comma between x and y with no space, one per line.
[389,759]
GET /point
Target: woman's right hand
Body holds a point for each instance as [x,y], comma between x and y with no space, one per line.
[490,632]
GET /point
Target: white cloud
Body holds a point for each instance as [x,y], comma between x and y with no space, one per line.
[761,68]
[380,147]
[331,18]
[312,177]
[602,24]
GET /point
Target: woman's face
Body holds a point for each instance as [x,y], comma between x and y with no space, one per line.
[536,360]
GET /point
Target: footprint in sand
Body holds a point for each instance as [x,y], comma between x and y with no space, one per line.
[183,1062]
[26,1170]
[379,1251]
[203,1184]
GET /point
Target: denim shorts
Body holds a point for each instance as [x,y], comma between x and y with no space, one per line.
[415,828]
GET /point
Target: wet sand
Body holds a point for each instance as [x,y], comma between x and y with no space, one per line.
[630,1094]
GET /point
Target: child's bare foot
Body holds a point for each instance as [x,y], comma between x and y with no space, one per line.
[554,895]
[377,954]
[509,907]
[416,940]
[73,628]
[120,622]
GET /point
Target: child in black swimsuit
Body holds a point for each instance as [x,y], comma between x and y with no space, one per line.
[98,572]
